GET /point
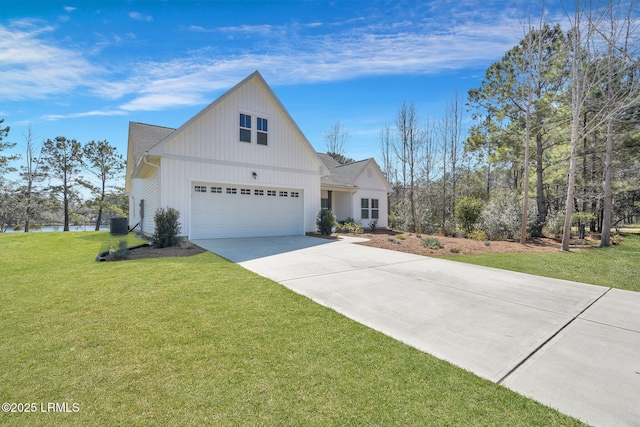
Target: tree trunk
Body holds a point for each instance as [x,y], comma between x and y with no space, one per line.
[566,233]
[608,197]
[541,202]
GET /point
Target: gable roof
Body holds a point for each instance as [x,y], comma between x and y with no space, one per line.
[347,174]
[143,136]
[342,175]
[157,148]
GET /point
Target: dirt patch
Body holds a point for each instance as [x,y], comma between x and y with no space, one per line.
[183,249]
[410,243]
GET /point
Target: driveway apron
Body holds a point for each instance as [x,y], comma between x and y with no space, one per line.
[572,346]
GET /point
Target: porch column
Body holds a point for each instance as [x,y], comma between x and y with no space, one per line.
[329,204]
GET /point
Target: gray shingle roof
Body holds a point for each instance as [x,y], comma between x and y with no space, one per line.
[143,136]
[342,175]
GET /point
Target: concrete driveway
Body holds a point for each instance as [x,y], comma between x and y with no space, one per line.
[571,346]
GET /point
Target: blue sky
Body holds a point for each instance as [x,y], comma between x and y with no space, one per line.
[84,69]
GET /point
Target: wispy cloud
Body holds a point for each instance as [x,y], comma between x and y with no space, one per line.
[31,67]
[70,9]
[140,17]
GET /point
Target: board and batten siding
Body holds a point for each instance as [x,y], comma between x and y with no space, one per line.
[215,134]
[144,189]
[371,186]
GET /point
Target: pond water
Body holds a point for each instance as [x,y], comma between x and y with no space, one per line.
[49,228]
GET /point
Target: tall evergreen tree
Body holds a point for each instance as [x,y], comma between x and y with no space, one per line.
[64,159]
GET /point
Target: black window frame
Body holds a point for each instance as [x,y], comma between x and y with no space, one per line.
[245,128]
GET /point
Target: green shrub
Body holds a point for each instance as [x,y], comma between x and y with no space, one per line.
[325,221]
[373,225]
[401,236]
[122,252]
[501,218]
[455,250]
[477,235]
[353,227]
[448,232]
[468,211]
[555,223]
[167,228]
[432,243]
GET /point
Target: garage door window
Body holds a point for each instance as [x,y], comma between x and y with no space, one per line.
[216,189]
[231,190]
[200,188]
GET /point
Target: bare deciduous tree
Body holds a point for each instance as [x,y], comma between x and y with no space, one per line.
[336,138]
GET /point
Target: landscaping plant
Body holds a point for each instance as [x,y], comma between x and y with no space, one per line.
[325,221]
[167,228]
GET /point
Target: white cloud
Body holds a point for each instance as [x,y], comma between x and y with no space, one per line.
[140,17]
[31,67]
[70,8]
[34,68]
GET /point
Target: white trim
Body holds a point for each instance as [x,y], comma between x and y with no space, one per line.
[241,164]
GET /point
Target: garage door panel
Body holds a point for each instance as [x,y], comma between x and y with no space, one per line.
[245,215]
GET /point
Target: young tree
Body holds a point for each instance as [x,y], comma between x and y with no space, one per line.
[64,158]
[409,149]
[452,151]
[8,200]
[103,161]
[32,173]
[335,139]
[620,88]
[5,160]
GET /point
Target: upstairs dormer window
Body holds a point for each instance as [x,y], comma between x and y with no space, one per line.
[245,128]
[262,131]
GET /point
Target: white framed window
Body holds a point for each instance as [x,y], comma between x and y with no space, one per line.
[295,194]
[374,209]
[262,126]
[231,190]
[284,194]
[271,193]
[216,189]
[258,192]
[364,208]
[200,188]
[245,128]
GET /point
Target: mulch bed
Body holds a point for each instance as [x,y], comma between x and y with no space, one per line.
[183,249]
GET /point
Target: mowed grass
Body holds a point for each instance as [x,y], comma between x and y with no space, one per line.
[202,341]
[616,266]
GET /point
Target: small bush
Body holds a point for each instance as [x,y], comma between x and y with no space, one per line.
[401,236]
[455,250]
[167,228]
[373,225]
[468,211]
[325,221]
[122,252]
[432,243]
[502,217]
[448,232]
[477,235]
[555,223]
[350,226]
[487,243]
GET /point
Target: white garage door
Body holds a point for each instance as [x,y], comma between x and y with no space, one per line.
[222,210]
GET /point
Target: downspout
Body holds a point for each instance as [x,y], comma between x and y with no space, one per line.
[146,162]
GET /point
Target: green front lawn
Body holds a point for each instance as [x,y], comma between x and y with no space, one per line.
[616,267]
[201,341]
